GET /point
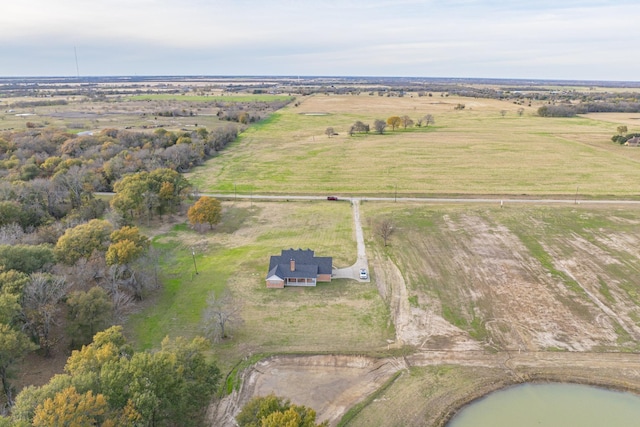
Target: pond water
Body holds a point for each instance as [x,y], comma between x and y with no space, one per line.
[551,405]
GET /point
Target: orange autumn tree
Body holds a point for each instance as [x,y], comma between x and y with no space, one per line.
[206,210]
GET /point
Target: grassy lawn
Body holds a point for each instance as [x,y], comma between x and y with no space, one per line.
[342,316]
[473,151]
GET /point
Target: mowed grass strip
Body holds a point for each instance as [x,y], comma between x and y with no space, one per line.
[341,316]
[472,151]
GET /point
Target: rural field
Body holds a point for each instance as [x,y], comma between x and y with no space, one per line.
[477,150]
[464,299]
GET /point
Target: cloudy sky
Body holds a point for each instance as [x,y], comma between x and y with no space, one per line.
[537,39]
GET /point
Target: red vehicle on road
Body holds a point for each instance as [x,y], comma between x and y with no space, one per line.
[332,198]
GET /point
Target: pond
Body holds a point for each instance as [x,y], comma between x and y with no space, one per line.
[551,405]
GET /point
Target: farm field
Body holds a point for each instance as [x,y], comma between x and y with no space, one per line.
[476,150]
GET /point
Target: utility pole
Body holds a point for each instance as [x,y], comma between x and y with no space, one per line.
[576,199]
[195,267]
[395,197]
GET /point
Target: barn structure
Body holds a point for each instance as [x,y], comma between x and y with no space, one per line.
[298,267]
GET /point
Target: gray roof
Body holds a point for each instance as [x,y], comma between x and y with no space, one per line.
[307,264]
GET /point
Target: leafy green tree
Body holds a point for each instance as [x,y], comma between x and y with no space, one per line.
[206,210]
[88,313]
[622,129]
[273,411]
[25,258]
[80,241]
[10,212]
[12,282]
[168,387]
[159,192]
[9,307]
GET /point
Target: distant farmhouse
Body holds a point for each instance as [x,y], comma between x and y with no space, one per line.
[298,267]
[633,142]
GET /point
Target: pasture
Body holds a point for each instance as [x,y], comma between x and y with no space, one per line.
[477,150]
[340,316]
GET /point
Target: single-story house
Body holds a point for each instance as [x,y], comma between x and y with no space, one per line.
[298,267]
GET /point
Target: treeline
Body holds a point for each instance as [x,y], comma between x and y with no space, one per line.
[70,265]
[40,103]
[107,155]
[570,110]
[107,383]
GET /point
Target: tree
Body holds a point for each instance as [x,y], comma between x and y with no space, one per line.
[41,296]
[13,346]
[81,240]
[220,312]
[70,408]
[394,122]
[10,212]
[25,258]
[127,244]
[520,111]
[379,126]
[503,113]
[384,229]
[273,411]
[329,132]
[622,130]
[406,121]
[89,312]
[159,192]
[168,387]
[428,120]
[358,126]
[206,210]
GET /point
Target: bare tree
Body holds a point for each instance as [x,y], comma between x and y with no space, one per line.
[503,113]
[428,120]
[329,132]
[520,111]
[379,126]
[384,229]
[220,312]
[42,293]
[406,121]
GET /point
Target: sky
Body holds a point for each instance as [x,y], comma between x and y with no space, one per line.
[533,39]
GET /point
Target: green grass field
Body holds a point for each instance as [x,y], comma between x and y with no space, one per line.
[473,151]
[339,316]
